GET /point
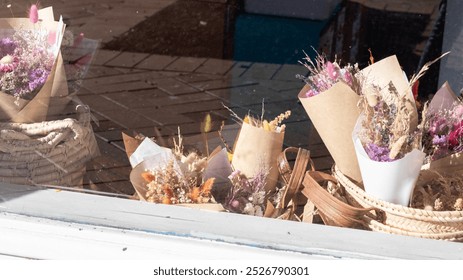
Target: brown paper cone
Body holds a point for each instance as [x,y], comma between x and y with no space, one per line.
[255,149]
[130,144]
[334,114]
[388,70]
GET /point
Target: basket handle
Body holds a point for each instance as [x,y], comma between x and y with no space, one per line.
[293,177]
[332,210]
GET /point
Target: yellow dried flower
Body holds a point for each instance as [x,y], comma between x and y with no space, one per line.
[230,156]
[266,126]
[207,124]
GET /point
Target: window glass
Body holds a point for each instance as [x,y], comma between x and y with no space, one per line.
[157,68]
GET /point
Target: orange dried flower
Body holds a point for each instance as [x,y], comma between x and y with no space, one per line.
[195,193]
[166,200]
[148,177]
[207,187]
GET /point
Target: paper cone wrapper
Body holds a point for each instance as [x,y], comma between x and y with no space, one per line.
[36,109]
[334,114]
[447,166]
[157,161]
[219,168]
[388,70]
[389,181]
[443,99]
[257,149]
[130,143]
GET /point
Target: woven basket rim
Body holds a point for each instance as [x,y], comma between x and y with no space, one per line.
[415,213]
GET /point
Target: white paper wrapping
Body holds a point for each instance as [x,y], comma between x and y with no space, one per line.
[389,181]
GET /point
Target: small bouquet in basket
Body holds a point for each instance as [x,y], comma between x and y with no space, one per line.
[31,67]
[388,135]
[330,98]
[440,186]
[443,130]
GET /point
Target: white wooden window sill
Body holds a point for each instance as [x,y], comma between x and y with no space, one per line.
[47,223]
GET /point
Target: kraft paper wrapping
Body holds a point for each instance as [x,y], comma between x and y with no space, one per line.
[37,109]
[452,164]
[443,99]
[388,70]
[255,149]
[334,114]
[147,155]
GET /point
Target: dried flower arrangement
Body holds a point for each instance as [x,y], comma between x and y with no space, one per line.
[250,179]
[247,196]
[27,58]
[388,130]
[179,180]
[443,131]
[323,74]
[441,193]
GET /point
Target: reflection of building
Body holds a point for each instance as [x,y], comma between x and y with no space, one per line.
[451,69]
[307,9]
[386,27]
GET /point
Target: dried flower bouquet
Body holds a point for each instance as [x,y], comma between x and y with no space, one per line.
[387,138]
[330,98]
[251,159]
[169,176]
[31,71]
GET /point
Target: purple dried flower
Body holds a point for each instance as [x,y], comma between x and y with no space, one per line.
[378,153]
[7,46]
[26,62]
[37,78]
[246,196]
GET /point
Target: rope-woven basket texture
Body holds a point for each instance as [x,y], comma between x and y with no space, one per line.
[47,153]
[398,219]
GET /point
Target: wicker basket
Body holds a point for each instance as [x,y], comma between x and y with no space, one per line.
[47,153]
[352,207]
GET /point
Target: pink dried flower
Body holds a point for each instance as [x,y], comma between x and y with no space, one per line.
[26,63]
[456,135]
[246,196]
[324,74]
[8,63]
[34,14]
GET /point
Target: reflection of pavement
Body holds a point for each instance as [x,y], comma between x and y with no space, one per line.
[141,92]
